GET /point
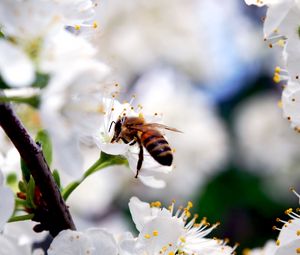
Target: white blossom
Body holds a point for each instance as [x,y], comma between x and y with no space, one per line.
[150,168]
[29,42]
[92,241]
[168,230]
[288,240]
[73,101]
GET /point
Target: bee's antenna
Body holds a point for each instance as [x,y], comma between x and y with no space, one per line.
[113,122]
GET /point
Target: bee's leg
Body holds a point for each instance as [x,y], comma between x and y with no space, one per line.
[141,158]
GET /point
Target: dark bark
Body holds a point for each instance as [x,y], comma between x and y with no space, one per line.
[54,214]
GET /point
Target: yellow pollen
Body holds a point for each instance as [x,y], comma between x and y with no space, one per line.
[182,239]
[288,211]
[298,250]
[164,249]
[279,104]
[298,232]
[246,251]
[95,24]
[147,236]
[189,205]
[141,115]
[171,253]
[77,27]
[276,78]
[155,233]
[277,242]
[281,42]
[112,109]
[155,204]
[277,69]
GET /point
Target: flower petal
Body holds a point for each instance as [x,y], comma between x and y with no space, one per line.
[161,233]
[69,242]
[15,67]
[290,232]
[9,246]
[7,204]
[140,212]
[152,182]
[291,248]
[104,242]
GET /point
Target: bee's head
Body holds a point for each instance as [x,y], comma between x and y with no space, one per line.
[117,130]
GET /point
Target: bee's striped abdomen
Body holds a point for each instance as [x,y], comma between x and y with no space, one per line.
[158,147]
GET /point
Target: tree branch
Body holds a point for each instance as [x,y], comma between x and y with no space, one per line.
[56,216]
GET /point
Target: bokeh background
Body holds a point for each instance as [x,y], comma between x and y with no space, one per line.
[203,66]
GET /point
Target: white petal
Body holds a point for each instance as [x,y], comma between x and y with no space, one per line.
[275,15]
[112,148]
[69,242]
[104,242]
[38,252]
[7,204]
[168,230]
[152,182]
[9,246]
[293,57]
[291,248]
[140,212]
[15,67]
[289,232]
[291,103]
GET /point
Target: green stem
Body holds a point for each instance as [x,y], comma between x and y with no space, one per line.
[21,217]
[104,161]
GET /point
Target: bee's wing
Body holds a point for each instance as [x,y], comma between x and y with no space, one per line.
[147,126]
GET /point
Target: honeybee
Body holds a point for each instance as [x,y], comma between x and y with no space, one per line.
[132,130]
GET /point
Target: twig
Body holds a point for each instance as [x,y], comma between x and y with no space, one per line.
[56,217]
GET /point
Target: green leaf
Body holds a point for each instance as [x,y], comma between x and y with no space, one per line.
[31,192]
[41,80]
[22,186]
[56,177]
[25,171]
[43,138]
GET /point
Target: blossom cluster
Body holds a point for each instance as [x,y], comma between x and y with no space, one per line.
[288,241]
[281,28]
[161,231]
